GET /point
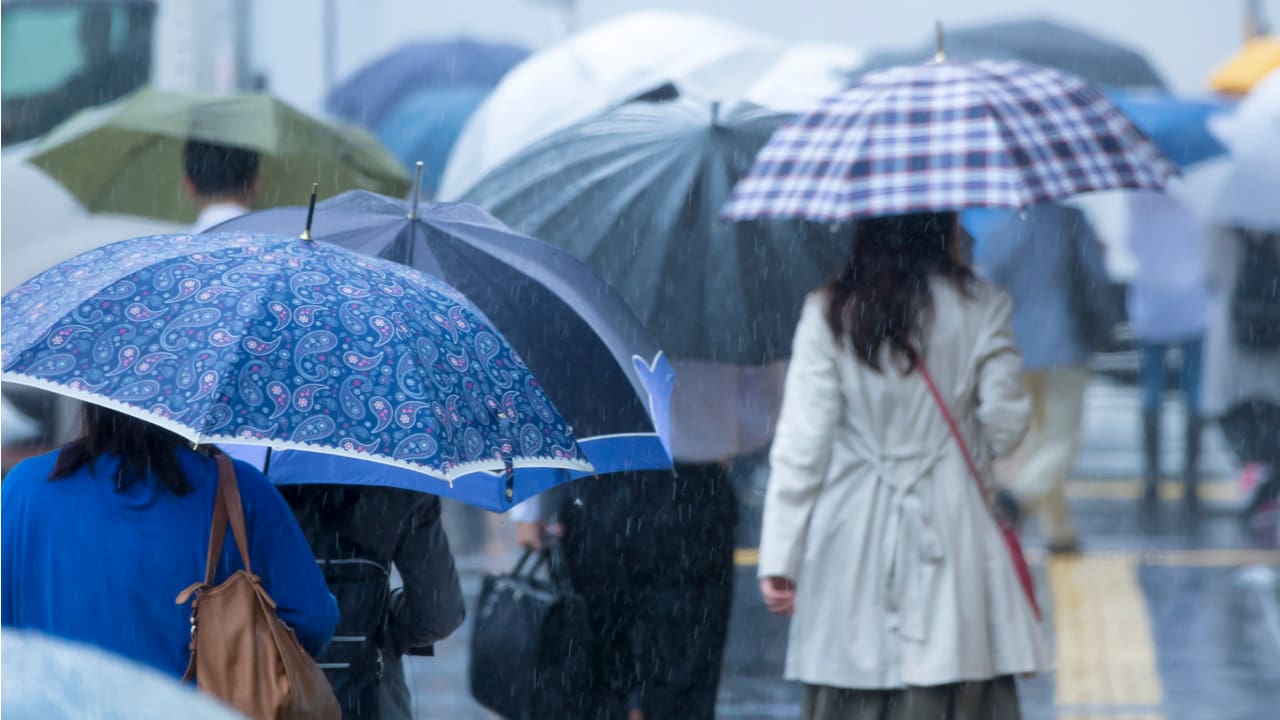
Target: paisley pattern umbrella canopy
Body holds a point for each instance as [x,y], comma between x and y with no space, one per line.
[277,341]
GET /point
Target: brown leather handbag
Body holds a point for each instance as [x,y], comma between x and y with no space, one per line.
[241,652]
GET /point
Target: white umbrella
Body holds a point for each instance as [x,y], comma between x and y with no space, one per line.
[42,224]
[45,677]
[601,67]
[1257,115]
[1248,195]
[804,74]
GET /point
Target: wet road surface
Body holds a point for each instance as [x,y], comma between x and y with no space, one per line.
[1162,620]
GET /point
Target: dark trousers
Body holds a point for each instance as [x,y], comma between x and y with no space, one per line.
[652,555]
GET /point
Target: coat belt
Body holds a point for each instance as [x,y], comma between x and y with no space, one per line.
[909,530]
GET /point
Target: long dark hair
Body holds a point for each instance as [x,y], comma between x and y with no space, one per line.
[144,450]
[881,296]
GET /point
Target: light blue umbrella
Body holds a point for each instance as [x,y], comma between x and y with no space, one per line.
[289,343]
[373,91]
[1179,127]
[424,126]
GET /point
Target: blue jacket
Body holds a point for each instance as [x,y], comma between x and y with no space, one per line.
[84,562]
[1030,256]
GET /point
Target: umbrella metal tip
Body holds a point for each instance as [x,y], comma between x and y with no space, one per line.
[940,47]
[311,212]
[415,195]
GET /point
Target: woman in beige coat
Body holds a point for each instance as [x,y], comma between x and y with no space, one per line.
[877,539]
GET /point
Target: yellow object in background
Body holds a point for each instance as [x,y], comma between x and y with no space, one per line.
[1255,60]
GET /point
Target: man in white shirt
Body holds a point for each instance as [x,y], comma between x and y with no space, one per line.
[221,180]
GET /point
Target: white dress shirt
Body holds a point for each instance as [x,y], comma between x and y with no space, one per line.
[216,214]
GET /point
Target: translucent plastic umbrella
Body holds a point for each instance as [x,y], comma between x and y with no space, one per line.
[636,193]
[802,75]
[599,68]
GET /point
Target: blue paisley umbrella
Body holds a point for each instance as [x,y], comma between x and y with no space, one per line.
[288,343]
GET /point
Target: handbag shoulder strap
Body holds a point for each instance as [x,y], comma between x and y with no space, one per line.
[217,533]
[229,492]
[955,429]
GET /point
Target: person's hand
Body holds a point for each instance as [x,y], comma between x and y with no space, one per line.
[529,534]
[779,595]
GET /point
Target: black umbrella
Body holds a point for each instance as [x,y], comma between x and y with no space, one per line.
[1040,42]
[595,361]
[636,193]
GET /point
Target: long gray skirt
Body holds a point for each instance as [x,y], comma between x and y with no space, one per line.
[995,699]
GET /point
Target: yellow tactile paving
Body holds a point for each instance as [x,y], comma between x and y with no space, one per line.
[746,556]
[1111,716]
[1106,656]
[1225,491]
[1204,558]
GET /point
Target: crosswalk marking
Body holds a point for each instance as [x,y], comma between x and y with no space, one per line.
[1106,656]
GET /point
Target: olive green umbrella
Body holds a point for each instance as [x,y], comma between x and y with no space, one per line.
[126,157]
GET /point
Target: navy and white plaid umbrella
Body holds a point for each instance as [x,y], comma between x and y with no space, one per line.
[947,136]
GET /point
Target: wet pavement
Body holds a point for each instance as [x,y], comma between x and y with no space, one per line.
[1157,620]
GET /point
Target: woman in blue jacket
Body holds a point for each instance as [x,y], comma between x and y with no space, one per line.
[100,536]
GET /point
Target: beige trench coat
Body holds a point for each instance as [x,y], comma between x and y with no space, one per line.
[902,576]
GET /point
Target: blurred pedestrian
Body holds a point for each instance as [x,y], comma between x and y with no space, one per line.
[221,180]
[876,539]
[1168,312]
[1242,352]
[652,555]
[1049,260]
[357,534]
[100,536]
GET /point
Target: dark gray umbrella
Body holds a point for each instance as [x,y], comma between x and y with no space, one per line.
[1041,42]
[591,355]
[636,193]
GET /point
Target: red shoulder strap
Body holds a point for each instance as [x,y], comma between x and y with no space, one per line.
[955,429]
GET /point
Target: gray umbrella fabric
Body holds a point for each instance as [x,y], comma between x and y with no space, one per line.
[636,194]
[1040,42]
